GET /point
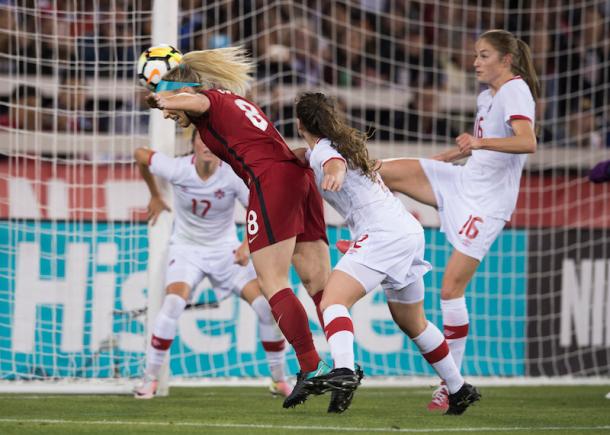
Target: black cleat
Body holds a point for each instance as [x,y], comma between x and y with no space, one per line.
[303,388]
[462,399]
[340,400]
[338,379]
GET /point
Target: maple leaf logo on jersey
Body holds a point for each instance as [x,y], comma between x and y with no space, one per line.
[219,194]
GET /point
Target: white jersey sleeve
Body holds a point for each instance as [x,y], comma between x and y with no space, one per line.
[517,102]
[323,155]
[164,166]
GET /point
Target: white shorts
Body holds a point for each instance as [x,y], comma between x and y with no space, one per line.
[469,230]
[394,260]
[192,264]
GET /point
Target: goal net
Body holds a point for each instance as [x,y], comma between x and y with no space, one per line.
[74,242]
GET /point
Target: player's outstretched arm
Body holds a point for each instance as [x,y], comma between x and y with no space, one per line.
[523,142]
[194,104]
[156,204]
[334,175]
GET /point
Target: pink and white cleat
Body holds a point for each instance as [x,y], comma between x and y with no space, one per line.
[280,388]
[440,399]
[146,389]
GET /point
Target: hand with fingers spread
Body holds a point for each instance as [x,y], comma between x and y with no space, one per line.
[156,206]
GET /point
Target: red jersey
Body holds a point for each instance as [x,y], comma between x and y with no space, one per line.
[238,132]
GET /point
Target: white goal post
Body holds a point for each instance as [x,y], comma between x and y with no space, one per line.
[162,134]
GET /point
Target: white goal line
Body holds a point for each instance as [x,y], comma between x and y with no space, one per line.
[528,429]
[125,386]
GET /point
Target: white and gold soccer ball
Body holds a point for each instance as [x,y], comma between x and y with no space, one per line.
[154,62]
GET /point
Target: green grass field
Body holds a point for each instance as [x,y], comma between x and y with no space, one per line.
[226,410]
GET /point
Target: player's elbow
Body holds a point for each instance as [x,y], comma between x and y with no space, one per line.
[531,145]
[141,155]
[204,103]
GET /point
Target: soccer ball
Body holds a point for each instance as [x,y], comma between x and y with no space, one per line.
[155,62]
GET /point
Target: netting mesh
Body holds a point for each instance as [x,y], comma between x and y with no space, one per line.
[73,246]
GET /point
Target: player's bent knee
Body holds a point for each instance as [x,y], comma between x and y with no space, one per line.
[452,292]
[181,289]
[313,286]
[336,299]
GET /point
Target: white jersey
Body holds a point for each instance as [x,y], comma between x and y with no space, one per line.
[490,178]
[203,210]
[365,205]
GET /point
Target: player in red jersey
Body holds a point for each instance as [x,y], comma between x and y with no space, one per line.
[285,219]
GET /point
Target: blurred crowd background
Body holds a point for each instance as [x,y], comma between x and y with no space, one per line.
[409,62]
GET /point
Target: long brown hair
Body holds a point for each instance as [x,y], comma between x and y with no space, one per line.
[227,68]
[522,65]
[319,117]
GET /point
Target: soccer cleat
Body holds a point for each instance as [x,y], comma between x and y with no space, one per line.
[462,399]
[440,399]
[340,400]
[280,388]
[146,389]
[343,245]
[301,389]
[341,378]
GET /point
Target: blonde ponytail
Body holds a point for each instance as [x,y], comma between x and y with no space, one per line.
[222,68]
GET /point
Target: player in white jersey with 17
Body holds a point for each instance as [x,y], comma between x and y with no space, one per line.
[388,250]
[203,244]
[475,200]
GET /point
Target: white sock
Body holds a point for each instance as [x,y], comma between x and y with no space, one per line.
[434,349]
[339,331]
[277,362]
[272,339]
[164,332]
[455,325]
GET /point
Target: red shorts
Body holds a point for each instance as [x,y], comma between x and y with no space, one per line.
[284,202]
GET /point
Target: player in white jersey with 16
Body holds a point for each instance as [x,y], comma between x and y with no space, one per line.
[203,244]
[475,200]
[388,249]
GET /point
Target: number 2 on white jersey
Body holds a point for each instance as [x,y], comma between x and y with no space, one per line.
[252,114]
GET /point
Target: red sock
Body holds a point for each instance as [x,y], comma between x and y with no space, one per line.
[292,320]
[317,298]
